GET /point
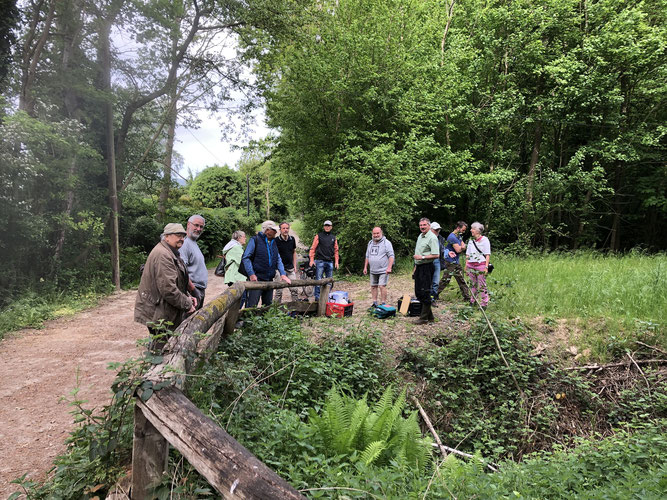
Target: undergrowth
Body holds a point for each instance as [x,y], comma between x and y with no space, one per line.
[266,380]
[475,403]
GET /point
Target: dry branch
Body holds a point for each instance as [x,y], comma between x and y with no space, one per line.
[444,449]
[596,366]
[651,347]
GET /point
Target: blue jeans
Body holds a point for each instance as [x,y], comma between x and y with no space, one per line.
[436,278]
[323,268]
[254,296]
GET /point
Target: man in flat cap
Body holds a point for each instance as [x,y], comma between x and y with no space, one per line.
[324,254]
[162,294]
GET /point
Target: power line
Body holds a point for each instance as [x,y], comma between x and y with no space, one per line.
[203,146]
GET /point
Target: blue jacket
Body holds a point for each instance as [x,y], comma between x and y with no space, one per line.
[261,258]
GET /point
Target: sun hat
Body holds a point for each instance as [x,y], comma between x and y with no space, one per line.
[269,224]
[174,228]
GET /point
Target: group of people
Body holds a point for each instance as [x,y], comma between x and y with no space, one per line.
[433,252]
[174,279]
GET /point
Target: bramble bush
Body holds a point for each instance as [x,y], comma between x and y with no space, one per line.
[479,407]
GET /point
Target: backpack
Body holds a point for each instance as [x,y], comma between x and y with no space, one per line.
[382,311]
[220,269]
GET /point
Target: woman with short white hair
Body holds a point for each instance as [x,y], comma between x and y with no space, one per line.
[233,253]
[478,254]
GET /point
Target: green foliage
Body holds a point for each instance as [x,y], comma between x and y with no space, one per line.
[35,182]
[544,120]
[469,386]
[627,465]
[380,435]
[217,187]
[270,190]
[303,370]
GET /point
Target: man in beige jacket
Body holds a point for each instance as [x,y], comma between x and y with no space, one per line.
[162,294]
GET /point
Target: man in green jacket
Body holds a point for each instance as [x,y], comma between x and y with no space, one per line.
[162,294]
[427,250]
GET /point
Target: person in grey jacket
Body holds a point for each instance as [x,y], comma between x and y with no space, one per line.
[379,261]
[194,259]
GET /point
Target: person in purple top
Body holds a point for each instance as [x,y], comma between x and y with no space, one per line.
[455,246]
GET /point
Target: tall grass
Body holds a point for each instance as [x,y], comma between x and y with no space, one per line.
[626,288]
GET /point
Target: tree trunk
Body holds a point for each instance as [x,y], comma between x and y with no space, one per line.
[534,157]
[617,205]
[32,55]
[166,176]
[582,222]
[171,123]
[69,203]
[105,83]
[70,26]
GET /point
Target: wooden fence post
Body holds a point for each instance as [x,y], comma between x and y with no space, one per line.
[150,452]
[231,318]
[324,298]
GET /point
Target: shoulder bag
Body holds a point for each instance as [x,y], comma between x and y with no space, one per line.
[490,267]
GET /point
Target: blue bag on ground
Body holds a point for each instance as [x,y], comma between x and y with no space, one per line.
[382,311]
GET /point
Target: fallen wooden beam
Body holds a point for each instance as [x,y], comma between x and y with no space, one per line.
[268,285]
[230,468]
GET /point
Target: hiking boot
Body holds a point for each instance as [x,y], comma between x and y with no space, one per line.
[421,321]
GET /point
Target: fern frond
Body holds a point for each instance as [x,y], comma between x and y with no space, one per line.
[398,406]
[385,400]
[354,437]
[381,428]
[372,452]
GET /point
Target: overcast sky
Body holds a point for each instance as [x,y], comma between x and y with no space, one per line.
[203,147]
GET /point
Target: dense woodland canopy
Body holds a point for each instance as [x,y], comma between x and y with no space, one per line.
[543,119]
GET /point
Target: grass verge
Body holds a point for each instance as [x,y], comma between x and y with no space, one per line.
[33,309]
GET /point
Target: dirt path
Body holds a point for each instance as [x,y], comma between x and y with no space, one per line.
[39,367]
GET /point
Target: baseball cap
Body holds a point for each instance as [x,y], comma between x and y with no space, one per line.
[269,224]
[327,223]
[435,226]
[174,228]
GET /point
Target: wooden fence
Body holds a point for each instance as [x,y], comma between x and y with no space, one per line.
[168,417]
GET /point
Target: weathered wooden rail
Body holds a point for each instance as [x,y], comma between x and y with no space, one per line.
[169,417]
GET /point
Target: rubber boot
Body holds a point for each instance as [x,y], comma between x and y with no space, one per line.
[430,318]
[424,314]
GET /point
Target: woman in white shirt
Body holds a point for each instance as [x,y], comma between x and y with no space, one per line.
[478,254]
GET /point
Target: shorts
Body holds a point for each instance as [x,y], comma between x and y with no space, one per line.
[379,279]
